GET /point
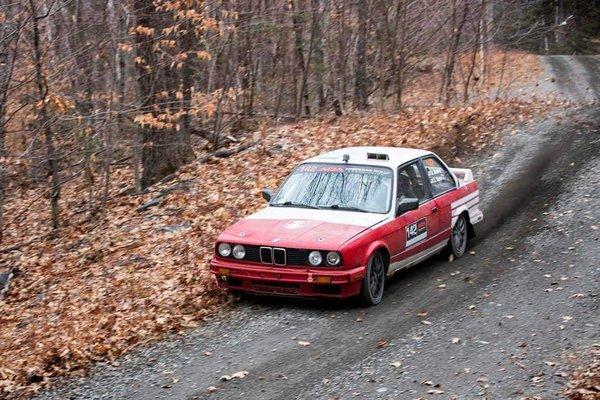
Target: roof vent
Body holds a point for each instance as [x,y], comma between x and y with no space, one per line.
[377,156]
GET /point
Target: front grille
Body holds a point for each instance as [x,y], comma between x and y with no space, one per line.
[297,256]
[252,253]
[279,256]
[266,255]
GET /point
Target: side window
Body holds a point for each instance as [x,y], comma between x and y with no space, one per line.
[439,177]
[411,183]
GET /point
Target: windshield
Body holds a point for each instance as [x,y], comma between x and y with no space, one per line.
[337,186]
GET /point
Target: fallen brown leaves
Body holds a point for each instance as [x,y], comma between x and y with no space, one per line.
[585,380]
[112,282]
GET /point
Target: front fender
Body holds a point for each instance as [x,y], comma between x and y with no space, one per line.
[372,248]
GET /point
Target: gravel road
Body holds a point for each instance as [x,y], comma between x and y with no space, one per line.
[499,323]
[575,78]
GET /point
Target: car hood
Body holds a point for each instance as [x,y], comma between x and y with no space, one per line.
[300,228]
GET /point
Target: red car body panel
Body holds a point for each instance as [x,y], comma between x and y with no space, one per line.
[353,235]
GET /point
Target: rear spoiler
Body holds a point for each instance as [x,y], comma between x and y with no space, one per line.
[464,175]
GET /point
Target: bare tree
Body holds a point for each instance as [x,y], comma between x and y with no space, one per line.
[8,34]
[163,149]
[447,88]
[43,117]
[361,86]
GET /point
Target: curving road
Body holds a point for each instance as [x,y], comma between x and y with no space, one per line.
[499,323]
[571,77]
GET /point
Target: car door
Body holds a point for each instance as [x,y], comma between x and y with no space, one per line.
[442,185]
[413,227]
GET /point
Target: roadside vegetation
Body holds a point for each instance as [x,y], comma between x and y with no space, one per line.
[132,131]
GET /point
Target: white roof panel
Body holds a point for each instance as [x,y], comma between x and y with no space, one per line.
[358,155]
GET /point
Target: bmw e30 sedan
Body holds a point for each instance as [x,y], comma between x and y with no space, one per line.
[344,221]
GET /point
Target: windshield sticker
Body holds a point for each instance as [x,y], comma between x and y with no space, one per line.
[350,169]
[416,232]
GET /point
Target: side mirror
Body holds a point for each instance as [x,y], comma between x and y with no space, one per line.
[267,194]
[407,204]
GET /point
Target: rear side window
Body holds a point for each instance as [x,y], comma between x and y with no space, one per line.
[439,177]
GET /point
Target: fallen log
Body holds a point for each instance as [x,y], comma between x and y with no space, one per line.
[227,152]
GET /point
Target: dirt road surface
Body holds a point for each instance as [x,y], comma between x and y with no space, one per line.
[498,323]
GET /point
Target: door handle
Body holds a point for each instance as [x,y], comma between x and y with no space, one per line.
[434,210]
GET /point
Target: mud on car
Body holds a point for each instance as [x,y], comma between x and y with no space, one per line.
[344,221]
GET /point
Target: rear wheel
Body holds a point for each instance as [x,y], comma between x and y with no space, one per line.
[374,281]
[460,235]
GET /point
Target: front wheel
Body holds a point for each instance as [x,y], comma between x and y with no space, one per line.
[460,235]
[374,281]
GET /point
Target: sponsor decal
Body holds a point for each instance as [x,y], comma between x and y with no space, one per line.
[349,169]
[416,232]
[296,224]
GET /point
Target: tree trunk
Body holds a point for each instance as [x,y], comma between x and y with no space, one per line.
[163,150]
[447,88]
[319,57]
[360,65]
[6,66]
[484,27]
[44,120]
[401,63]
[82,52]
[476,46]
[299,50]
[186,80]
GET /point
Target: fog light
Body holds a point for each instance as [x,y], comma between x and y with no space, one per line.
[323,279]
[224,271]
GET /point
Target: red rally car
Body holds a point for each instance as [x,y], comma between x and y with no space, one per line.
[345,220]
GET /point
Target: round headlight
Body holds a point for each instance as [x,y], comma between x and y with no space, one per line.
[224,249]
[333,258]
[315,258]
[238,251]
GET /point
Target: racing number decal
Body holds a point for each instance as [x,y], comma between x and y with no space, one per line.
[416,232]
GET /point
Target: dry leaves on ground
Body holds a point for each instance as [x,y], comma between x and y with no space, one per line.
[585,380]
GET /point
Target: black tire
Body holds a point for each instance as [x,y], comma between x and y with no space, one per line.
[457,244]
[373,283]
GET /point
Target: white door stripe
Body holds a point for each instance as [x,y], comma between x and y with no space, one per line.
[465,199]
[467,205]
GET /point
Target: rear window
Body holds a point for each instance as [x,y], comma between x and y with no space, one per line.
[439,177]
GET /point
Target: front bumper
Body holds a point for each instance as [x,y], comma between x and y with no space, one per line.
[287,281]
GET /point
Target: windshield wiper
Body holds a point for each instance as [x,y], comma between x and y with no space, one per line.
[292,204]
[347,208]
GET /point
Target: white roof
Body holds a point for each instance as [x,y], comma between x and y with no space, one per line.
[358,155]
